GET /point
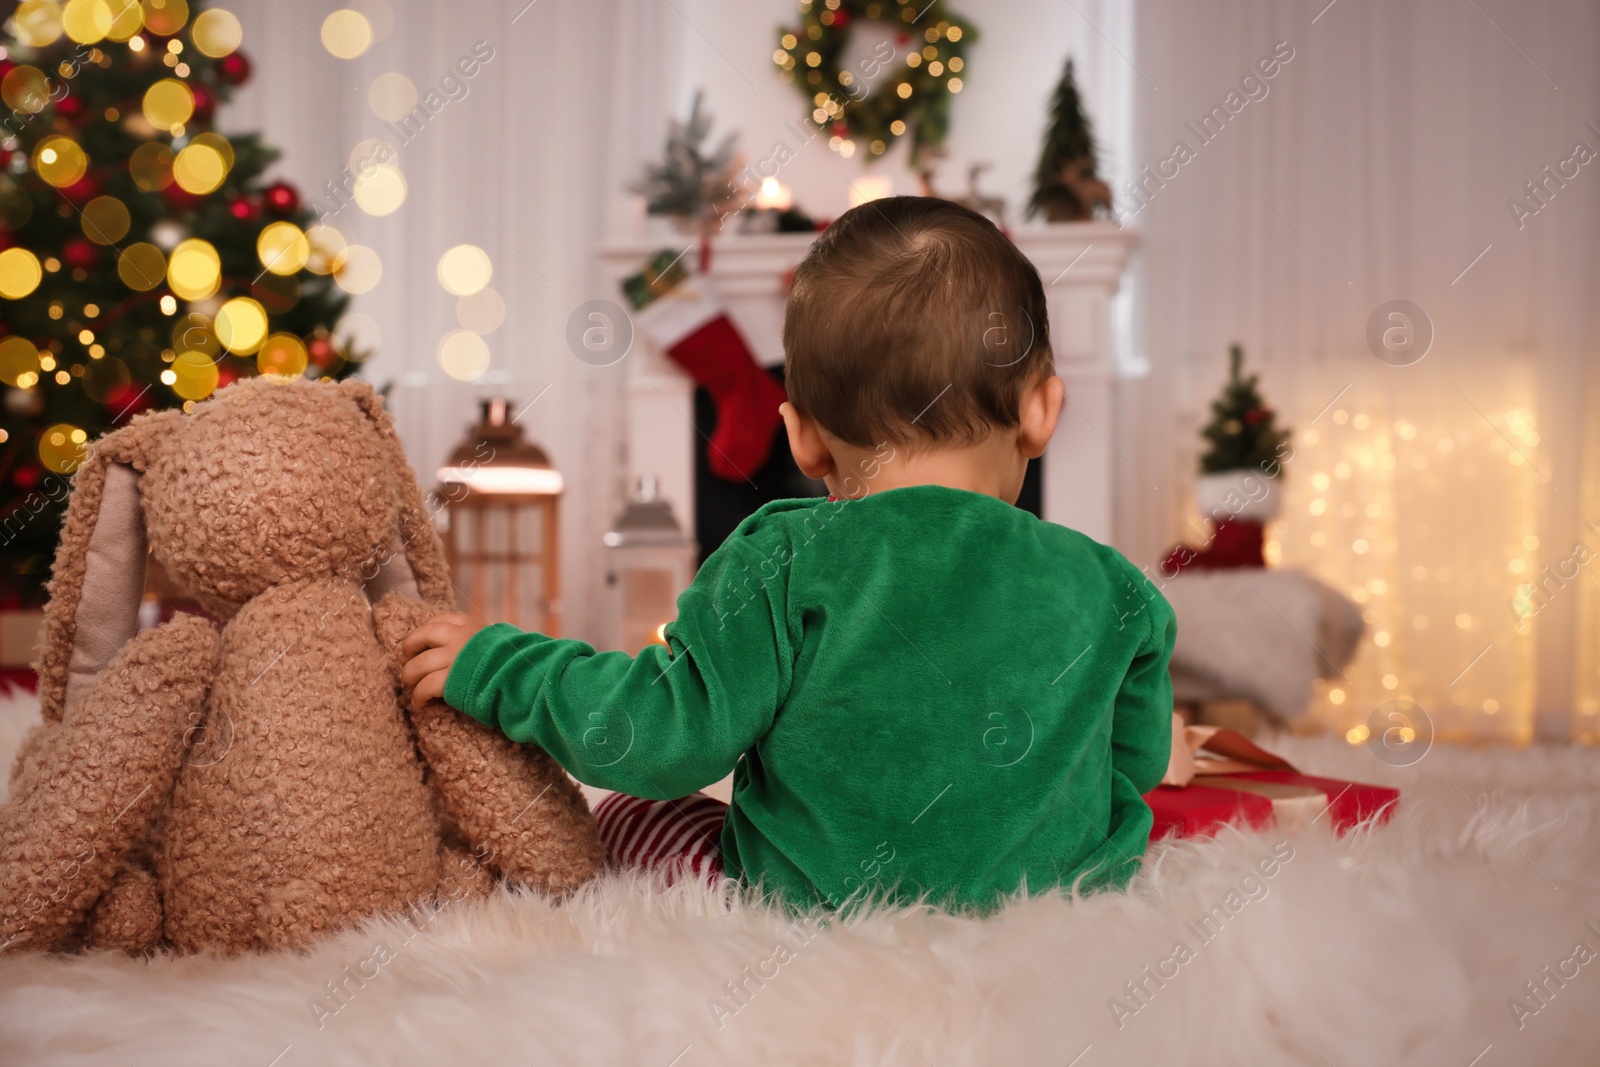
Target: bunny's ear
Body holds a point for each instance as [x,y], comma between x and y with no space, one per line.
[415,563]
[98,577]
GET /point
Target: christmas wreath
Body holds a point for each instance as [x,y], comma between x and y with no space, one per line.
[902,88]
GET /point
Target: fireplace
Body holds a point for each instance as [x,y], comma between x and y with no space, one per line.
[721,505]
[1081,265]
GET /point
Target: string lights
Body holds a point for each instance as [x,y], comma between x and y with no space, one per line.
[1429,525]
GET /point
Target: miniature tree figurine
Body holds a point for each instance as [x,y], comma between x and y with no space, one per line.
[690,183]
[1236,491]
[1065,185]
[1243,433]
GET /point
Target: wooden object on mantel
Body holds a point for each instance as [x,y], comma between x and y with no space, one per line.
[1081,264]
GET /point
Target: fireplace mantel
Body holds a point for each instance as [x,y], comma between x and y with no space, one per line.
[1082,264]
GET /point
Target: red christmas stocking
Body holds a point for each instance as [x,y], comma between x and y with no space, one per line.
[691,327]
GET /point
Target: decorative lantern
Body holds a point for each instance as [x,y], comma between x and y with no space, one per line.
[648,562]
[500,527]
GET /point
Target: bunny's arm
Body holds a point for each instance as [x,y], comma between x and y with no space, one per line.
[32,742]
[516,808]
[97,780]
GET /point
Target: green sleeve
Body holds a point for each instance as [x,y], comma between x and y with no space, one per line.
[1141,729]
[664,723]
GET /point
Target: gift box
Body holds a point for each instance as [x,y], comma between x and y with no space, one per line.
[1194,810]
[1218,778]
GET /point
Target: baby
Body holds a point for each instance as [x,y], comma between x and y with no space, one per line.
[922,690]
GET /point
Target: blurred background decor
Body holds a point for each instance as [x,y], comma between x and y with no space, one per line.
[874,71]
[649,563]
[692,184]
[1066,183]
[1317,194]
[146,259]
[499,512]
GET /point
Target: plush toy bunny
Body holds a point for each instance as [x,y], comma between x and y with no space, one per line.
[256,787]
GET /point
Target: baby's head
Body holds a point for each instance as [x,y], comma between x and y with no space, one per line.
[916,328]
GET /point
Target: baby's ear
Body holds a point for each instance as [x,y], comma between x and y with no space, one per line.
[98,576]
[1038,415]
[806,445]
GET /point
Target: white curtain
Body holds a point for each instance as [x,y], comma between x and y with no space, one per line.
[526,164]
[1378,166]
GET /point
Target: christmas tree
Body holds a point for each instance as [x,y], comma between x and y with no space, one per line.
[1065,185]
[690,182]
[145,262]
[1242,431]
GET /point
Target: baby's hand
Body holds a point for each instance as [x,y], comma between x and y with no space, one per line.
[429,650]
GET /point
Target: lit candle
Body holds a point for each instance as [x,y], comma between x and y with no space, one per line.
[773,195]
[870,187]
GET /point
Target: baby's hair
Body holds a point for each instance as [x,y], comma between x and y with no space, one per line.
[915,321]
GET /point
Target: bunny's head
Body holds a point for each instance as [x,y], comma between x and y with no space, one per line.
[266,483]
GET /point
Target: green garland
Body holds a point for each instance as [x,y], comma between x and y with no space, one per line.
[902,90]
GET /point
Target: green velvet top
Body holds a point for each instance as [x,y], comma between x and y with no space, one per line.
[925,692]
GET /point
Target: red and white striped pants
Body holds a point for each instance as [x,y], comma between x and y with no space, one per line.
[665,835]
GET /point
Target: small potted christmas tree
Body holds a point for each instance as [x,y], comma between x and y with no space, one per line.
[693,183]
[1243,431]
[1065,185]
[1238,490]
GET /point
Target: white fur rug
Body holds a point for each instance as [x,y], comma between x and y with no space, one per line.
[1409,944]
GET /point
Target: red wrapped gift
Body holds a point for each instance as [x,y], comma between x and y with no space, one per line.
[1245,784]
[1192,810]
